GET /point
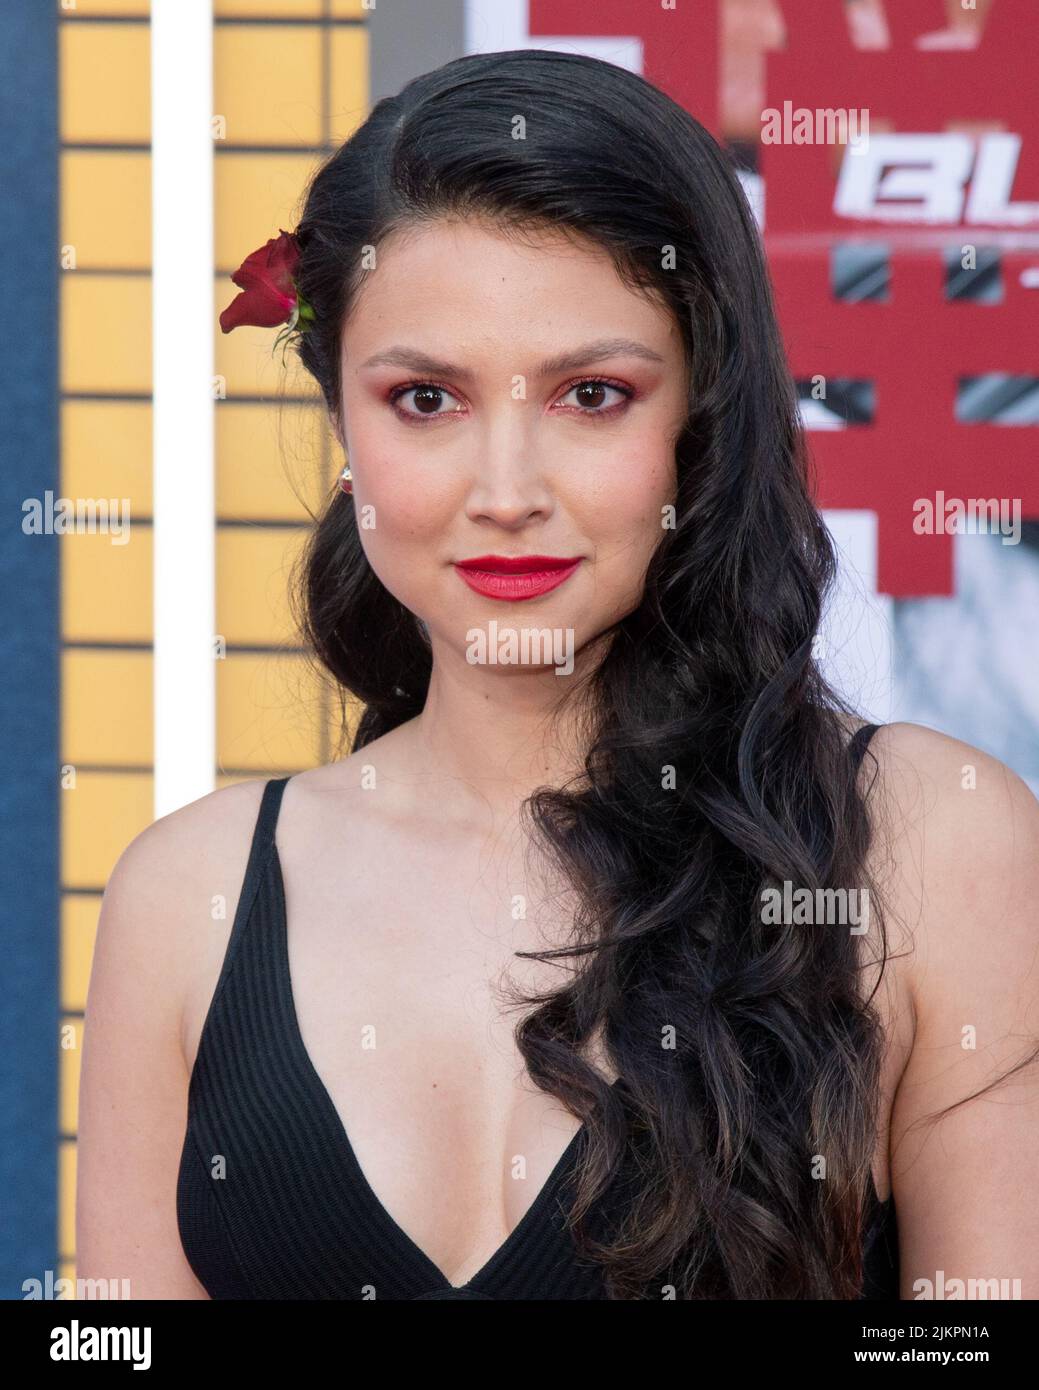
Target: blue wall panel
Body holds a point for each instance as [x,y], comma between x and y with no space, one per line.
[29,644]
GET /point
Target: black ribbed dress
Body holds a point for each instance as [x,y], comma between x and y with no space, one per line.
[271,1200]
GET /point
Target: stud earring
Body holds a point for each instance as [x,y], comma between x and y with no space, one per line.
[345,480]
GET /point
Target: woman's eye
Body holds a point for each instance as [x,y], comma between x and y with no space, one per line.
[594,397]
[427,400]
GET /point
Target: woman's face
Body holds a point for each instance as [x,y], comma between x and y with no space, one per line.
[509,400]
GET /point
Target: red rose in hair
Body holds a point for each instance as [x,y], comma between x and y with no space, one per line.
[269,295]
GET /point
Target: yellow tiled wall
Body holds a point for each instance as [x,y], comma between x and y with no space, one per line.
[288,92]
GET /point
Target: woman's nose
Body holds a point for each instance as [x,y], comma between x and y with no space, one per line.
[509,478]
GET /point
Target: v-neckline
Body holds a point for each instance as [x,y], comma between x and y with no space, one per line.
[409,1247]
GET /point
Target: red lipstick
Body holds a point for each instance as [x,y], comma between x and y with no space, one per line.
[516,577]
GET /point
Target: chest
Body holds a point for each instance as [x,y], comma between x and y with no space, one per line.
[398,967]
[401,987]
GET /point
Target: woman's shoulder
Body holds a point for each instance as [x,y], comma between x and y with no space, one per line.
[956,857]
[201,838]
[952,792]
[198,842]
[925,775]
[171,897]
[208,839]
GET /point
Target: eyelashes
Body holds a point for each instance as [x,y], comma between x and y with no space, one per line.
[625,392]
[427,388]
[433,390]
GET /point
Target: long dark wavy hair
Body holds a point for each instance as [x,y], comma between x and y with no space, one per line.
[717,755]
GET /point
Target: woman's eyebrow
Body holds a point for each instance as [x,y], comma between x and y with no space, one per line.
[583,356]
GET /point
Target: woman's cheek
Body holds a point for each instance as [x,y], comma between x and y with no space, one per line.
[627,512]
[401,528]
[400,568]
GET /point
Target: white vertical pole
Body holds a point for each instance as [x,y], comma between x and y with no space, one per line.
[182,400]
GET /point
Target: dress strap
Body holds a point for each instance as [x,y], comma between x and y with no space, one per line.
[267,817]
[255,869]
[859,742]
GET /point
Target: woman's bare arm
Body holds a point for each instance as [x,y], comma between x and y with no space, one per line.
[962,832]
[157,939]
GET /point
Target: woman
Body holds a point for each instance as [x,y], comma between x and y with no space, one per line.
[762,969]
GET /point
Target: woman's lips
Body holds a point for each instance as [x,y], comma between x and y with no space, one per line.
[515,579]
